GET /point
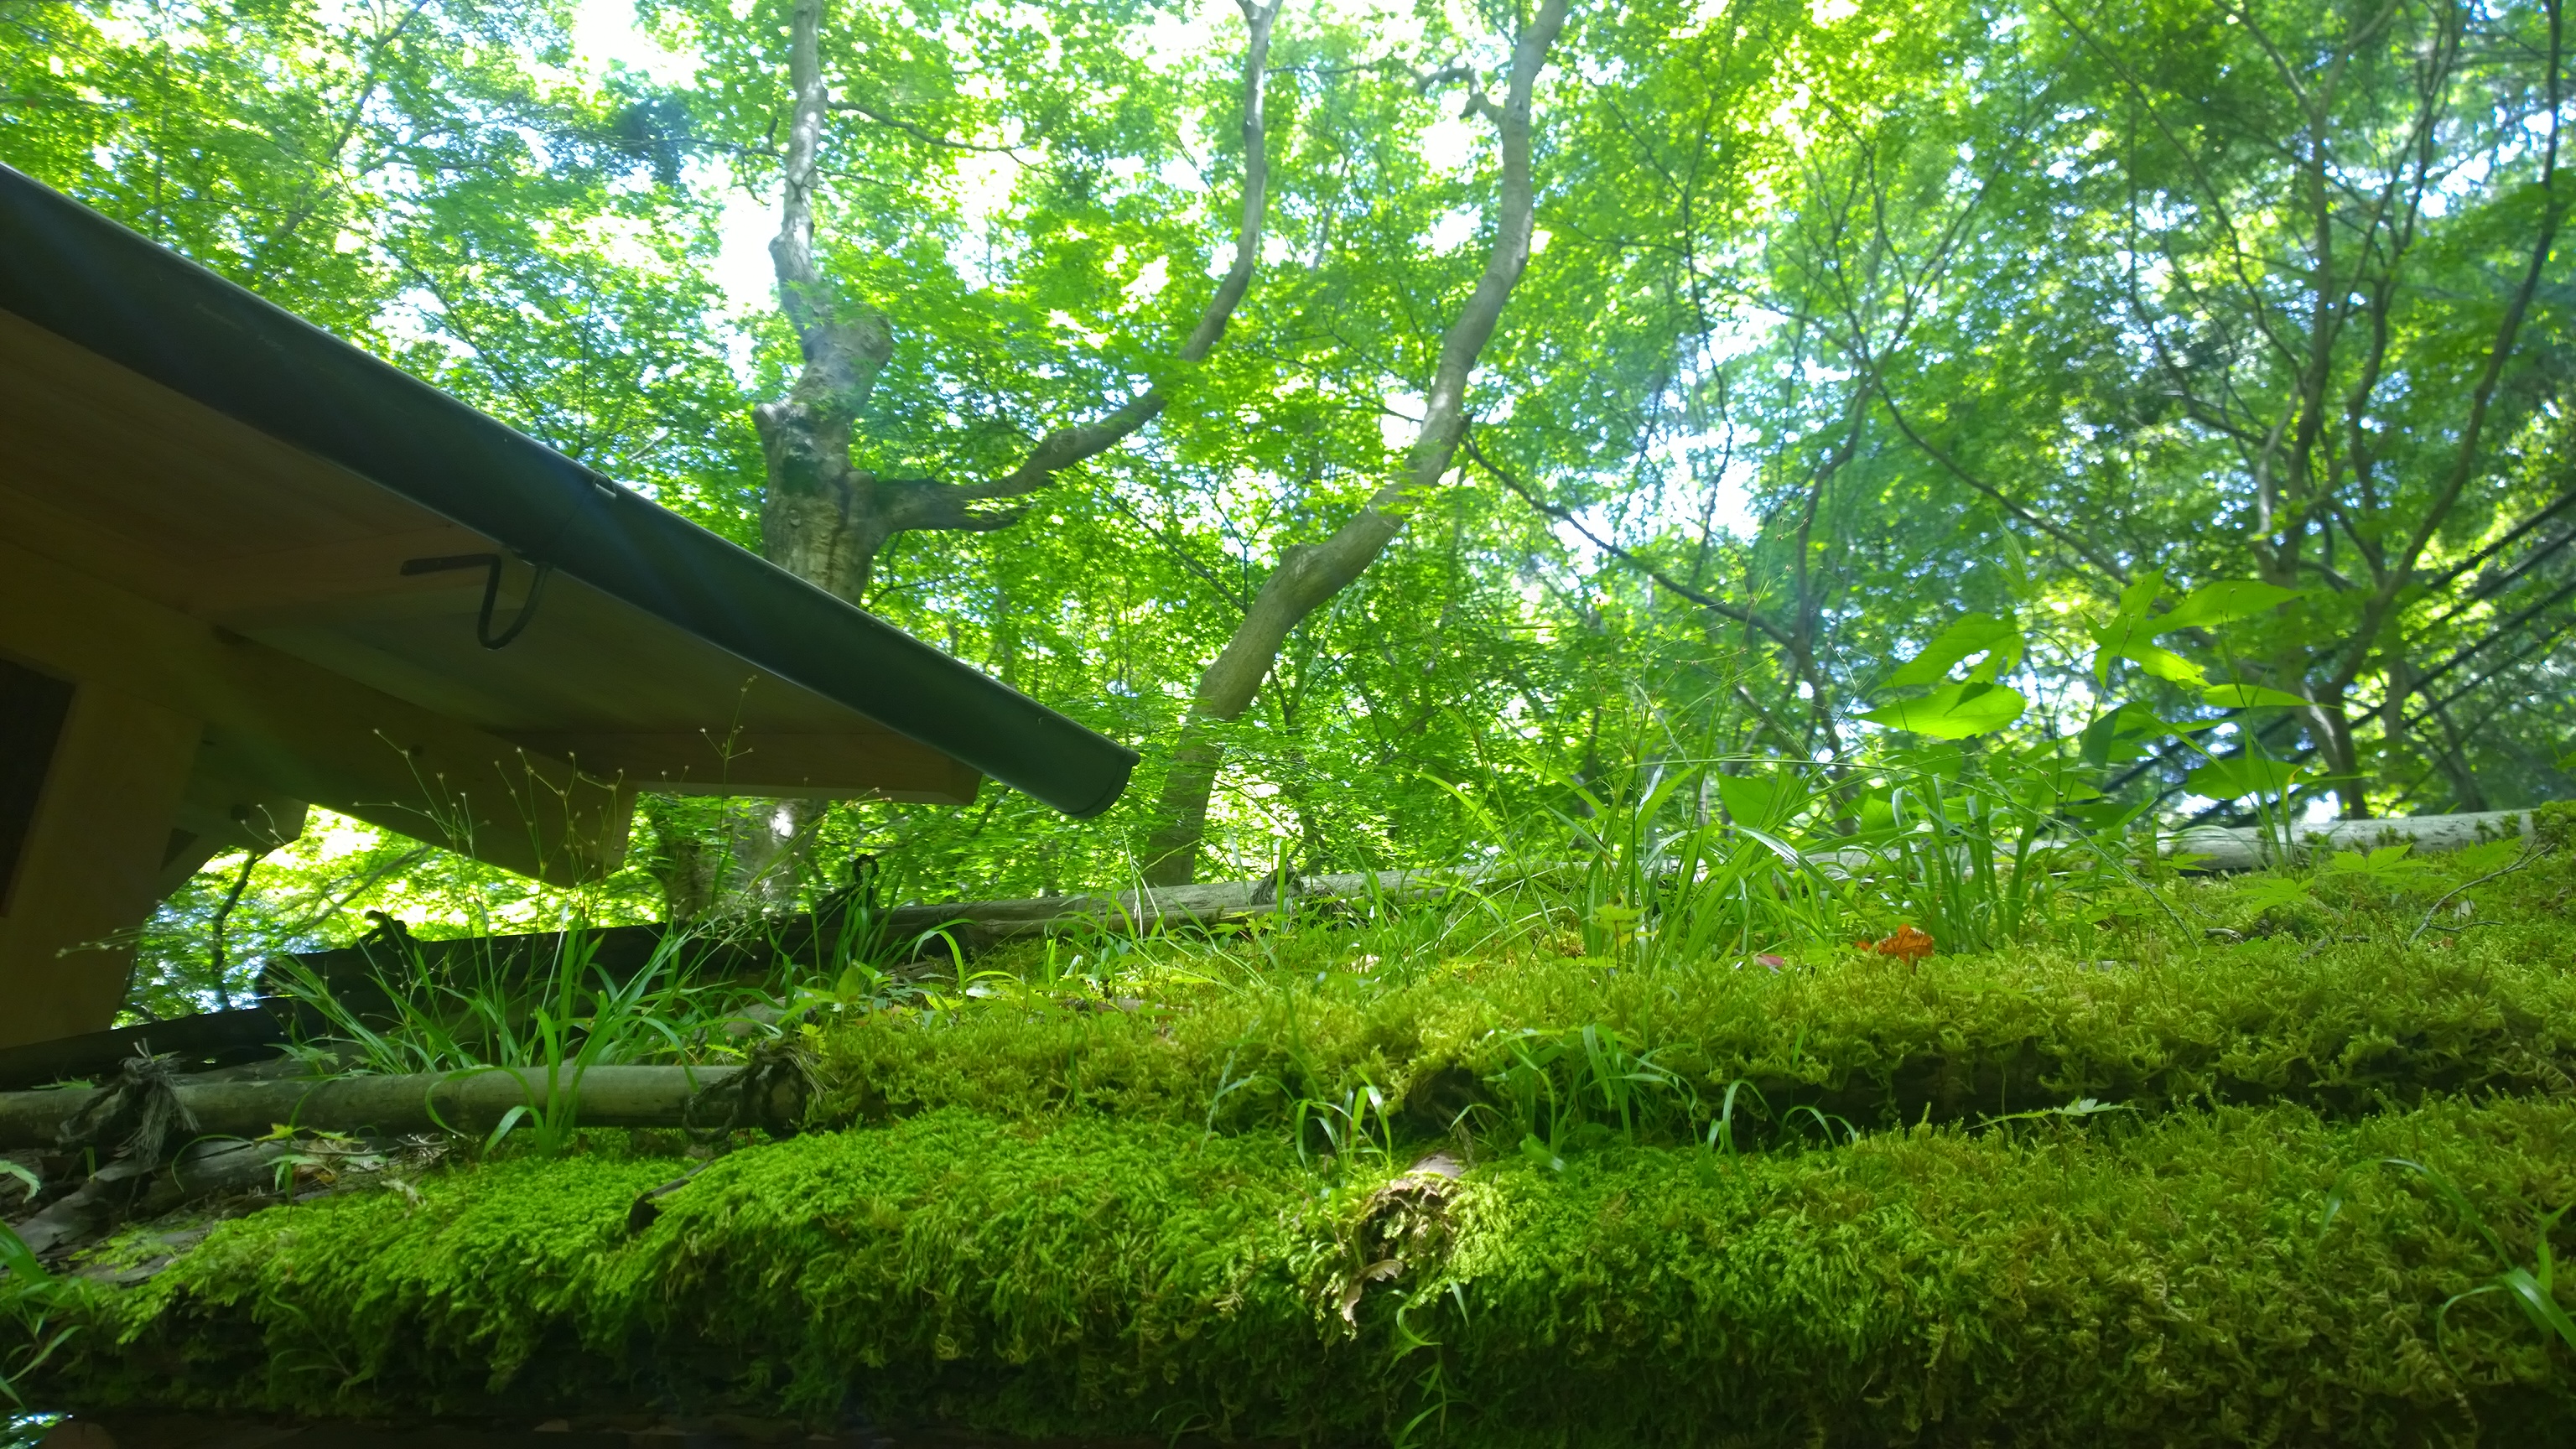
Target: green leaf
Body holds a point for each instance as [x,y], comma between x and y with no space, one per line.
[18,1258]
[2129,629]
[1762,800]
[2250,696]
[2271,892]
[2140,596]
[2243,775]
[2539,1304]
[2224,603]
[1998,639]
[2121,735]
[1954,711]
[2380,864]
[2120,641]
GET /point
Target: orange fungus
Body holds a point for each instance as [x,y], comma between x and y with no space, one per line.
[1908,945]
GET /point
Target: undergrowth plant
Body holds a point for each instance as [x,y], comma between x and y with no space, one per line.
[547,1029]
[2532,1288]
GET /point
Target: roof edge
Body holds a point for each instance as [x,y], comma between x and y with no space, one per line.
[81,275]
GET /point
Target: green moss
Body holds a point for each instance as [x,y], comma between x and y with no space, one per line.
[2340,1026]
[1056,1218]
[2130,1283]
[2555,824]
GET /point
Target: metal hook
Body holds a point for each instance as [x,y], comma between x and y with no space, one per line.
[491,591]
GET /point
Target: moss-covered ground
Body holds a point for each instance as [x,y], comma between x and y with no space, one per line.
[2258,1161]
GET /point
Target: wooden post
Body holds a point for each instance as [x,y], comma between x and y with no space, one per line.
[88,857]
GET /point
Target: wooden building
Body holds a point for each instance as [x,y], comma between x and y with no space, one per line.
[246,568]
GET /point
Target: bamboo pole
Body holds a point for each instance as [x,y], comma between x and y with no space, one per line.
[393,1106]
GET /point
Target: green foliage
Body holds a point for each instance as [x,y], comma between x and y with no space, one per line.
[2014,344]
[548,1028]
[1907,334]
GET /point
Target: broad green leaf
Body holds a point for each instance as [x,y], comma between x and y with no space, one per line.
[1763,799]
[2140,596]
[1877,814]
[2129,629]
[2223,603]
[1998,639]
[2243,775]
[2123,642]
[2273,892]
[1954,711]
[2121,735]
[2380,863]
[2250,696]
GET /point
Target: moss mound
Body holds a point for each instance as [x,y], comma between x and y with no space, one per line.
[2110,1281]
[2343,1026]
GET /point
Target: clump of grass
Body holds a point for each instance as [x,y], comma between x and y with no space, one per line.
[549,1028]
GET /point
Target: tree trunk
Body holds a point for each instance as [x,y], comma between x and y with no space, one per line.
[2331,728]
[744,863]
[824,519]
[1310,574]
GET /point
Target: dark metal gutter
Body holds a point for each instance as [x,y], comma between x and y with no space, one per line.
[73,272]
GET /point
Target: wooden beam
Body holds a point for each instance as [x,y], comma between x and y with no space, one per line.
[351,579]
[304,733]
[872,765]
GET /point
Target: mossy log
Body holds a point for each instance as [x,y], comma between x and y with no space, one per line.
[2251,848]
[2185,1280]
[472,1102]
[750,951]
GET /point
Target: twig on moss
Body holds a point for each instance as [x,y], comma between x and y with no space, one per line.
[2530,852]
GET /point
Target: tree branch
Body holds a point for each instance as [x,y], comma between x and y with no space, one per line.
[918,131]
[2083,550]
[1065,447]
[1662,579]
[2383,600]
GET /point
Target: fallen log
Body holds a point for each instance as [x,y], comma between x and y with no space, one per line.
[2245,847]
[391,1106]
[214,1039]
[2220,848]
[755,950]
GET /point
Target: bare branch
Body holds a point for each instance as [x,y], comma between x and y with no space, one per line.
[1064,447]
[918,131]
[1662,579]
[2083,550]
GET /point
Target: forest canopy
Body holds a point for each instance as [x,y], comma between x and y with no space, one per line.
[1395,418]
